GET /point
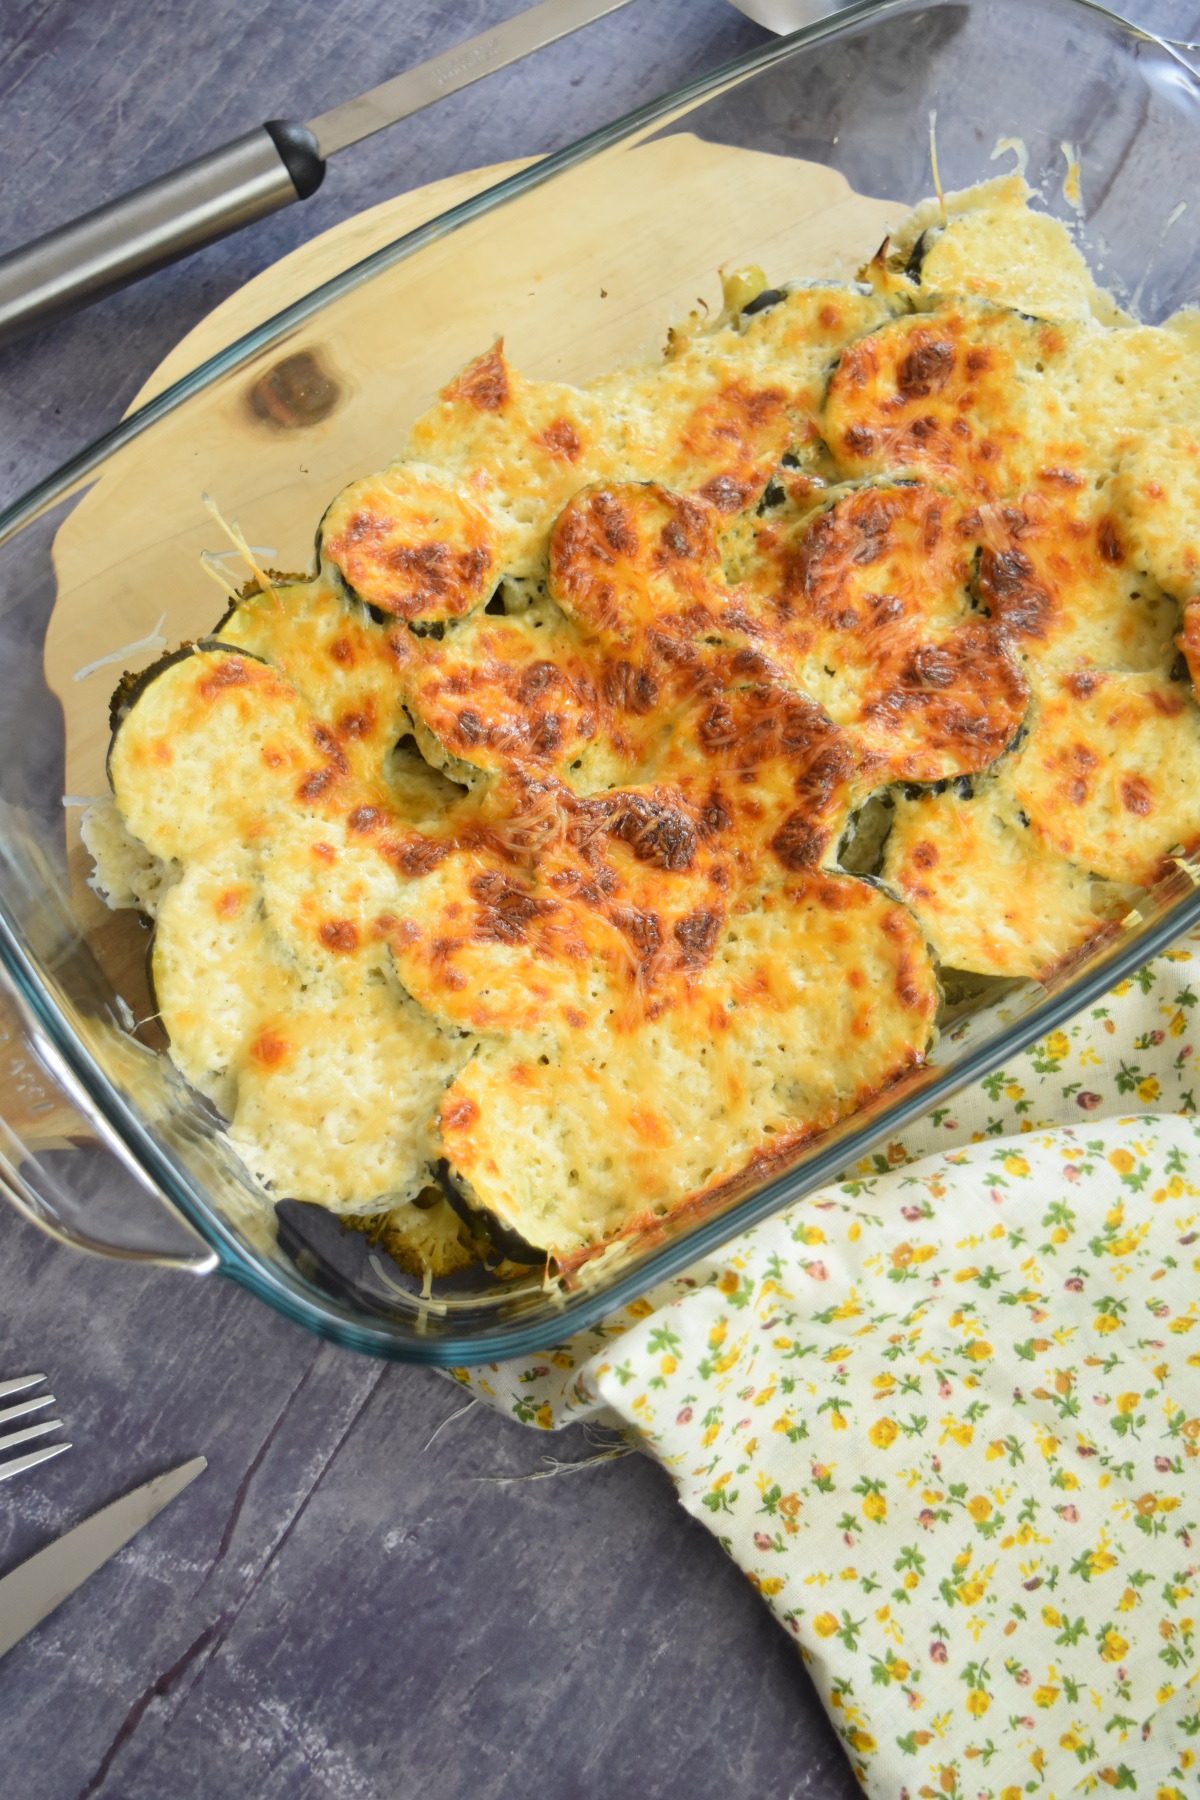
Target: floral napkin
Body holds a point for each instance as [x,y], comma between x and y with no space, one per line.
[946,1416]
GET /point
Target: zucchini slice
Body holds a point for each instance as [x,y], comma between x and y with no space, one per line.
[410,543]
[208,742]
[816,996]
[992,895]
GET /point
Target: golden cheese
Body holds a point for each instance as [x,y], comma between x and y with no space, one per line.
[524,840]
[975,870]
[410,543]
[1111,771]
[810,995]
[987,243]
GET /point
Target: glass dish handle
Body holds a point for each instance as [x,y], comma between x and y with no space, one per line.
[57,1160]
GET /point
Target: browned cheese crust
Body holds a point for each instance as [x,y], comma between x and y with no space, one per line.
[552,764]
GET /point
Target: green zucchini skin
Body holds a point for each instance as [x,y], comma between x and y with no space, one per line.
[131,687]
[503,1237]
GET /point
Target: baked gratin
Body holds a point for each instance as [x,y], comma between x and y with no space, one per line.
[608,813]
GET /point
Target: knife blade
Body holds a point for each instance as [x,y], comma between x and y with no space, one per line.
[456,68]
[782,16]
[35,1587]
[257,174]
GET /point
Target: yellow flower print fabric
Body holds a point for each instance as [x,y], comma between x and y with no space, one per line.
[952,1434]
[946,1416]
[1136,1052]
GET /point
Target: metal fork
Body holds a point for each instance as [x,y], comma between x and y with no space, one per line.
[20,1384]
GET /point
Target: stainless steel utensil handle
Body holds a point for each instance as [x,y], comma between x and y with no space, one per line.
[270,167]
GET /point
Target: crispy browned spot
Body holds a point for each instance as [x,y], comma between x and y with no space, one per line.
[316,783]
[415,856]
[358,723]
[718,729]
[641,928]
[823,772]
[535,680]
[1109,541]
[908,988]
[470,728]
[434,573]
[798,843]
[328,745]
[858,533]
[924,854]
[457,1114]
[269,1049]
[739,429]
[628,689]
[727,494]
[562,440]
[685,536]
[506,911]
[859,440]
[696,934]
[228,671]
[546,733]
[1136,796]
[927,367]
[716,816]
[484,382]
[655,831]
[1015,596]
[340,935]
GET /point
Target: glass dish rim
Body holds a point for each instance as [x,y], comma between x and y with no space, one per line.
[60,481]
[328,1316]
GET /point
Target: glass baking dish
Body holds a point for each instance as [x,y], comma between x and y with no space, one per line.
[581,261]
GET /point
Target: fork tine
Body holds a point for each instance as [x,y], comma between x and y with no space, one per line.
[30,1461]
[27,1436]
[8,1413]
[18,1384]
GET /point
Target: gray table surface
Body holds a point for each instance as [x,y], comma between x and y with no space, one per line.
[338,1608]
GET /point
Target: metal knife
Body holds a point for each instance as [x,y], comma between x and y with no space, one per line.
[37,1586]
[782,16]
[257,174]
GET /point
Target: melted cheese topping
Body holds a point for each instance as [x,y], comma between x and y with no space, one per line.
[1110,775]
[989,244]
[1157,492]
[988,895]
[509,841]
[410,544]
[869,604]
[638,1113]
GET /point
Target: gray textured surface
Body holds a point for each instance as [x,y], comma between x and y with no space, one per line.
[331,1610]
[334,1611]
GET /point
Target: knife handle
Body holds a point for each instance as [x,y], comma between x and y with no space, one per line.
[67,269]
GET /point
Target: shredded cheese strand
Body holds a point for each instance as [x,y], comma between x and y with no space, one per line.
[155,641]
[933,162]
